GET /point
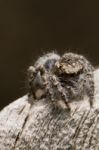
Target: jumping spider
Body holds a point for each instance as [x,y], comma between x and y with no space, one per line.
[65,78]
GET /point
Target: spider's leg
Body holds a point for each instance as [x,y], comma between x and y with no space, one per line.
[49,89]
[90,93]
[30,74]
[89,87]
[62,92]
[56,86]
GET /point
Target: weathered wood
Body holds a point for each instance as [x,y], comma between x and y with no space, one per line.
[28,125]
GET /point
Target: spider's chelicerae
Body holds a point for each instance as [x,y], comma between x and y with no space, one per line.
[62,78]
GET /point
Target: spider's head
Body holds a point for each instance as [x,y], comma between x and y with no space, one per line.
[69,64]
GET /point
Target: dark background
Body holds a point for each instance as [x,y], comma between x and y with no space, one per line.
[29,28]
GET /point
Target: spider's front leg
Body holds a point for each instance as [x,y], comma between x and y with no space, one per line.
[89,88]
[56,92]
[36,82]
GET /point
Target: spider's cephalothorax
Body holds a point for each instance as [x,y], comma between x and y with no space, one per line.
[64,78]
[75,74]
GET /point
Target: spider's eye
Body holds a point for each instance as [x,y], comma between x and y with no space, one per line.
[72,75]
[64,75]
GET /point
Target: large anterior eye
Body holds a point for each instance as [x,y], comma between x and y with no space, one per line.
[67,78]
[71,75]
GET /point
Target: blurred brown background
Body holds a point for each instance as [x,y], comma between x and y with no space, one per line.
[28,28]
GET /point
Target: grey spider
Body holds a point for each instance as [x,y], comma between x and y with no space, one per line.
[65,78]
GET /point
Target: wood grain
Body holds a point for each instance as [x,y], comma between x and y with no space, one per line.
[26,124]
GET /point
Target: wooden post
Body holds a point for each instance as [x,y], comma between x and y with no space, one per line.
[28,125]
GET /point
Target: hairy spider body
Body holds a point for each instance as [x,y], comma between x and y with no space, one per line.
[76,75]
[65,78]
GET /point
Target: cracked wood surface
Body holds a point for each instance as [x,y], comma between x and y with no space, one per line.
[28,125]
